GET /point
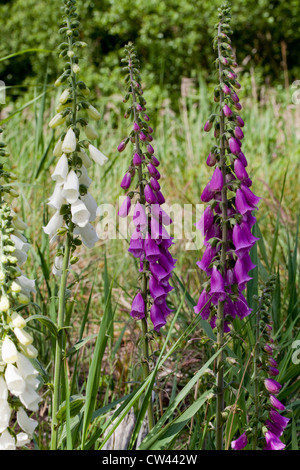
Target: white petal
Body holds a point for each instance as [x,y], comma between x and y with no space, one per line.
[22,439]
[61,170]
[3,389]
[84,178]
[5,412]
[7,442]
[30,399]
[54,224]
[27,424]
[88,235]
[57,199]
[80,214]
[91,205]
[14,380]
[71,187]
[69,143]
[9,351]
[97,156]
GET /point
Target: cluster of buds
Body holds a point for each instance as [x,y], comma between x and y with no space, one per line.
[228,218]
[268,423]
[150,241]
[19,379]
[75,208]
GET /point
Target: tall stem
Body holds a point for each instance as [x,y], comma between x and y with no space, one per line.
[58,361]
[60,340]
[220,314]
[144,292]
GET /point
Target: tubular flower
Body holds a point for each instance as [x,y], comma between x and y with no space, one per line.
[150,241]
[75,153]
[226,223]
[19,381]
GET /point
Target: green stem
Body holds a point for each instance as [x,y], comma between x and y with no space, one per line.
[220,313]
[144,290]
[60,339]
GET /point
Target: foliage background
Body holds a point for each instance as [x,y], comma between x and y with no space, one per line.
[173,39]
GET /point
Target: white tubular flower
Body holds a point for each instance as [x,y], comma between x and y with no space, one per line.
[20,244]
[27,285]
[91,205]
[57,151]
[61,170]
[76,68]
[7,442]
[84,177]
[69,143]
[22,439]
[71,187]
[54,224]
[88,235]
[15,382]
[80,214]
[57,199]
[86,161]
[57,266]
[30,351]
[27,424]
[90,132]
[4,304]
[93,113]
[97,156]
[27,370]
[30,399]
[57,120]
[5,412]
[23,337]
[9,351]
[3,389]
[18,223]
[65,96]
[17,321]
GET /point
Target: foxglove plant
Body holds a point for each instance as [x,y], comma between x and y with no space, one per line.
[265,423]
[19,379]
[228,218]
[150,241]
[75,208]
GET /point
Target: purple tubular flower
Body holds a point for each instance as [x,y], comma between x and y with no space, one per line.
[206,220]
[240,443]
[121,146]
[136,245]
[157,291]
[211,159]
[234,145]
[241,241]
[272,386]
[207,126]
[276,403]
[217,182]
[149,195]
[241,307]
[138,307]
[155,161]
[136,159]
[150,149]
[152,252]
[240,121]
[273,371]
[277,430]
[160,198]
[227,111]
[203,305]
[142,136]
[151,168]
[217,286]
[126,181]
[226,90]
[160,214]
[206,259]
[136,127]
[207,193]
[125,207]
[279,420]
[273,442]
[242,159]
[154,184]
[240,170]
[158,231]
[242,267]
[157,317]
[238,132]
[140,218]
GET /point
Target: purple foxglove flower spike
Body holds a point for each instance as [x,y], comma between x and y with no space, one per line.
[150,242]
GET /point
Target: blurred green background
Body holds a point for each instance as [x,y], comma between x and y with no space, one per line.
[173,39]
